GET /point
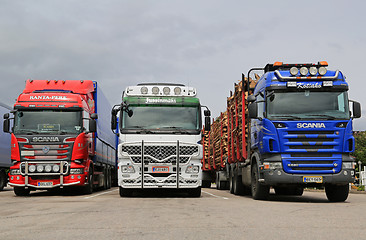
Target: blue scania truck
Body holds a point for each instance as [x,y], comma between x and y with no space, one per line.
[300,133]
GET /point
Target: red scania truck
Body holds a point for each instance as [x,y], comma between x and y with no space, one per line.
[60,137]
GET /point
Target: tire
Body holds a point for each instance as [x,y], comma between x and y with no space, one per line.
[3,179]
[238,187]
[231,188]
[105,184]
[88,189]
[206,183]
[259,191]
[109,182]
[125,192]
[21,191]
[337,193]
[194,192]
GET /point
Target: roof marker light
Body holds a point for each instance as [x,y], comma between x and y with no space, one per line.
[304,71]
[294,71]
[313,71]
[323,63]
[278,64]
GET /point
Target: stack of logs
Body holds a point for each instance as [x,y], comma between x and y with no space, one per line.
[224,143]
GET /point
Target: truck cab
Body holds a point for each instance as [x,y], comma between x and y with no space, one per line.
[160,133]
[301,131]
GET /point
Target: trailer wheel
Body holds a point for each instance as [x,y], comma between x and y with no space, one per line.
[21,191]
[109,179]
[3,179]
[125,192]
[194,192]
[259,191]
[231,188]
[337,193]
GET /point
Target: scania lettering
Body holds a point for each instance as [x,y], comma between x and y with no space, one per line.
[59,137]
[290,129]
[160,133]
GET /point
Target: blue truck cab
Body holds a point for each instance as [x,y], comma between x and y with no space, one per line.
[301,131]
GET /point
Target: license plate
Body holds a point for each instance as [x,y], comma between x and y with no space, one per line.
[312,179]
[160,169]
[45,184]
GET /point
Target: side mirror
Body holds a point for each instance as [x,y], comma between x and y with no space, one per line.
[94,116]
[6,116]
[113,122]
[253,110]
[92,125]
[129,112]
[251,98]
[356,109]
[207,113]
[6,126]
[208,123]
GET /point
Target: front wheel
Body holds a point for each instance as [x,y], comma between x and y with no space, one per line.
[337,193]
[125,192]
[195,192]
[88,189]
[259,191]
[3,179]
[21,191]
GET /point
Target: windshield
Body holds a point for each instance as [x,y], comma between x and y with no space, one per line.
[307,105]
[162,118]
[47,121]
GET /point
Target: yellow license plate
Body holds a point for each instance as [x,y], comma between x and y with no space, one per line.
[312,179]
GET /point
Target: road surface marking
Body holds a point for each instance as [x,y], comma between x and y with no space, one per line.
[96,195]
[214,195]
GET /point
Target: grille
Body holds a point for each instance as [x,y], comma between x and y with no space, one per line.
[160,154]
[35,152]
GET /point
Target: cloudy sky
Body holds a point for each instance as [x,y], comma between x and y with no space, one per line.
[202,43]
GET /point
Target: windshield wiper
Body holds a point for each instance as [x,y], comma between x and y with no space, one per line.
[322,115]
[288,117]
[179,129]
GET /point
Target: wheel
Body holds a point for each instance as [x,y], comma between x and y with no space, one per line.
[21,191]
[109,178]
[238,187]
[3,179]
[88,189]
[194,192]
[206,183]
[231,188]
[125,192]
[259,191]
[105,184]
[337,193]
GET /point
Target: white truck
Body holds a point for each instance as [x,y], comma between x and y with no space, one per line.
[160,138]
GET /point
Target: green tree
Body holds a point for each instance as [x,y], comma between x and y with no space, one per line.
[360,148]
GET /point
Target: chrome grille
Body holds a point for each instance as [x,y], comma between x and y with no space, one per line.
[45,152]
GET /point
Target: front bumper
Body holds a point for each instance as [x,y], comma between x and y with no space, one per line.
[70,180]
[279,177]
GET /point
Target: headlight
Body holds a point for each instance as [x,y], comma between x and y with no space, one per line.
[177,90]
[32,168]
[77,171]
[272,165]
[56,168]
[192,169]
[322,71]
[348,165]
[48,168]
[294,71]
[14,172]
[313,71]
[144,90]
[40,168]
[155,90]
[166,90]
[127,169]
[304,71]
